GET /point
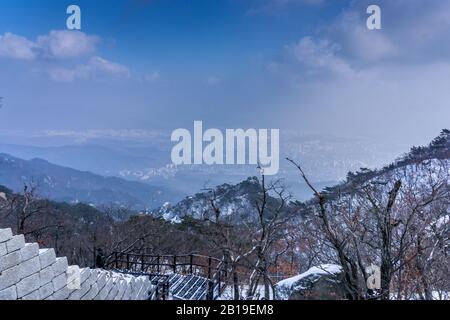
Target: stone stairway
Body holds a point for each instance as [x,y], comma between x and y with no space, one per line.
[190,287]
[187,287]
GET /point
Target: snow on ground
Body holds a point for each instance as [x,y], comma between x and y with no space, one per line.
[243,289]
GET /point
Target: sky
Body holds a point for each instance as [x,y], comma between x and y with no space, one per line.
[309,66]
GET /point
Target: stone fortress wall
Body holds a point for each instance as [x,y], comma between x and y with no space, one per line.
[30,273]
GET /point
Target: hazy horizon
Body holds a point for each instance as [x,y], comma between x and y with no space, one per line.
[308,66]
[343,96]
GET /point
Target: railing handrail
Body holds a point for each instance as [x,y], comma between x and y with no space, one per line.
[165,255]
[119,256]
[214,269]
[168,260]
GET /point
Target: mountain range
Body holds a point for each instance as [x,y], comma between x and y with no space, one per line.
[144,156]
[175,192]
[241,197]
[73,186]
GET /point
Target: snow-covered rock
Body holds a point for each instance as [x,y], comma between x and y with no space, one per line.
[323,282]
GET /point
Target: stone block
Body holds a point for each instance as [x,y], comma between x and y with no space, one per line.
[9,293]
[60,266]
[28,285]
[29,267]
[30,250]
[59,282]
[8,278]
[32,296]
[135,290]
[62,294]
[101,281]
[91,293]
[85,273]
[103,293]
[85,287]
[47,257]
[3,250]
[5,235]
[46,275]
[46,290]
[10,260]
[75,295]
[113,292]
[121,291]
[73,277]
[15,243]
[94,275]
[127,294]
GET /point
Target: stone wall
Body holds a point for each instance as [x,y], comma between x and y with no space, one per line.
[30,273]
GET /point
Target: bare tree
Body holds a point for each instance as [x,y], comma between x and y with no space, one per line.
[30,214]
[391,218]
[385,225]
[339,241]
[270,233]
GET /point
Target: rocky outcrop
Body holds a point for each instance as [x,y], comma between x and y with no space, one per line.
[318,283]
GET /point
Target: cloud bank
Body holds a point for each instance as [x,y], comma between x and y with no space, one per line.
[56,47]
[348,79]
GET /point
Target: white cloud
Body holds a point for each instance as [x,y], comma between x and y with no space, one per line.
[100,65]
[398,75]
[414,31]
[66,44]
[95,67]
[16,47]
[58,46]
[359,42]
[319,56]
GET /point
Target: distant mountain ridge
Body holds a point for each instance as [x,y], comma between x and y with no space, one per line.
[69,185]
[231,199]
[437,150]
[145,157]
[241,197]
[65,184]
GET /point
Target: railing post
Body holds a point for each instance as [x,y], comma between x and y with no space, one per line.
[116,257]
[95,257]
[219,280]
[128,261]
[210,281]
[174,264]
[209,267]
[210,295]
[157,264]
[166,289]
[192,264]
[142,263]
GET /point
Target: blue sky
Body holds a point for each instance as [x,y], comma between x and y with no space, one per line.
[200,35]
[305,65]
